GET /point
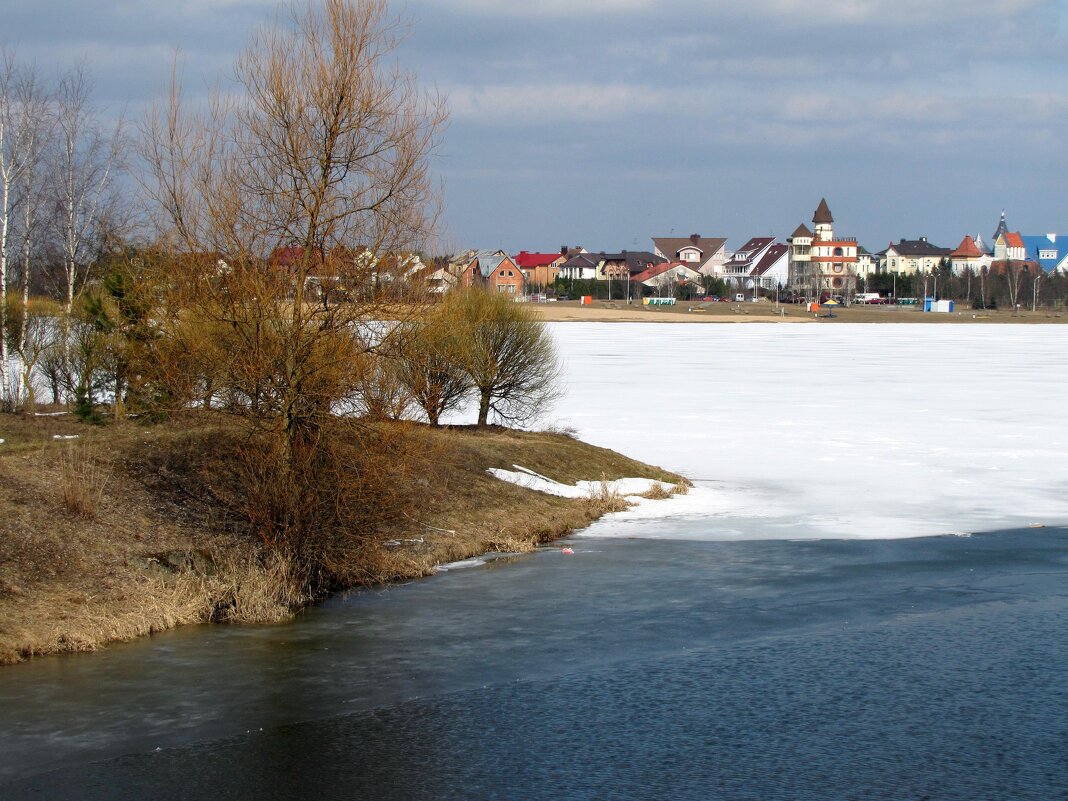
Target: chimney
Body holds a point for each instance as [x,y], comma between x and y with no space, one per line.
[563,250]
[695,238]
[923,239]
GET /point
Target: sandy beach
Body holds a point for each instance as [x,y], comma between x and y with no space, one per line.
[613,312]
[766,312]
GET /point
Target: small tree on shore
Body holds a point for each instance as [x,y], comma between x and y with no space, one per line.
[508,355]
[430,362]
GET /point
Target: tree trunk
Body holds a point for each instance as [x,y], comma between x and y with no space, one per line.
[27,378]
[483,408]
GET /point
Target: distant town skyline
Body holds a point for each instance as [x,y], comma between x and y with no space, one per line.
[609,122]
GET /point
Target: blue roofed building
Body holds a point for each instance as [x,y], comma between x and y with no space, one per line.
[1050,251]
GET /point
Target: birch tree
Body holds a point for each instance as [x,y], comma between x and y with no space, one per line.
[85,161]
[35,118]
[16,155]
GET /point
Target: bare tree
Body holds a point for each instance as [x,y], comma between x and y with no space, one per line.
[19,150]
[1014,273]
[84,164]
[318,156]
[36,119]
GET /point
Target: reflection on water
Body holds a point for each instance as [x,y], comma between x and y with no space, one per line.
[633,669]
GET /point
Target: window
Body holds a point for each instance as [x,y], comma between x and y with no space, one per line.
[838,252]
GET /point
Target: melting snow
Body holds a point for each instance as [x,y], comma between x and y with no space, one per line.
[582,489]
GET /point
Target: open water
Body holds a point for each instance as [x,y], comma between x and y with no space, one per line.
[930,668]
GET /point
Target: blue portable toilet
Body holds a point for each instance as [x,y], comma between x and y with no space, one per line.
[928,304]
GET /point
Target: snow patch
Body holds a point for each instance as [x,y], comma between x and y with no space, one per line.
[523,477]
[460,565]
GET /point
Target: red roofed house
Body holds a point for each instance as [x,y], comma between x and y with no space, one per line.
[1009,246]
[493,269]
[1010,256]
[822,264]
[969,256]
[665,277]
[540,269]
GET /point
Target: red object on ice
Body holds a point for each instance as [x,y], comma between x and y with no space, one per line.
[566,550]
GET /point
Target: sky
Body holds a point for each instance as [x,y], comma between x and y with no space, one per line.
[604,123]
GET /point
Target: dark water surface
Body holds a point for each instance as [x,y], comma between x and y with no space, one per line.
[904,669]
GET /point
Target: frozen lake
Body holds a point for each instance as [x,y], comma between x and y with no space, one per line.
[803,431]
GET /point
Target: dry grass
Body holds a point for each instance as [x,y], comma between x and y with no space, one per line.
[82,482]
[604,499]
[658,492]
[75,582]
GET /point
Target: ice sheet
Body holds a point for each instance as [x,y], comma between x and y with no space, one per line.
[826,430]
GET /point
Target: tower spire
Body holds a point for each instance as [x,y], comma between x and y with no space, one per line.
[1003,227]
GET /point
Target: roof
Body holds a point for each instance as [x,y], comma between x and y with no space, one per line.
[967,249]
[670,246]
[1002,228]
[801,232]
[527,261]
[751,250]
[287,256]
[488,262]
[823,213]
[583,260]
[684,272]
[1013,239]
[1044,244]
[636,260]
[769,259]
[1003,265]
[918,247]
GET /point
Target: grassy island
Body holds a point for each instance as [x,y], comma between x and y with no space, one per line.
[115,532]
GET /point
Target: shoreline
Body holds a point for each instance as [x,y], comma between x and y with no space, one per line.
[153,556]
[766,312]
